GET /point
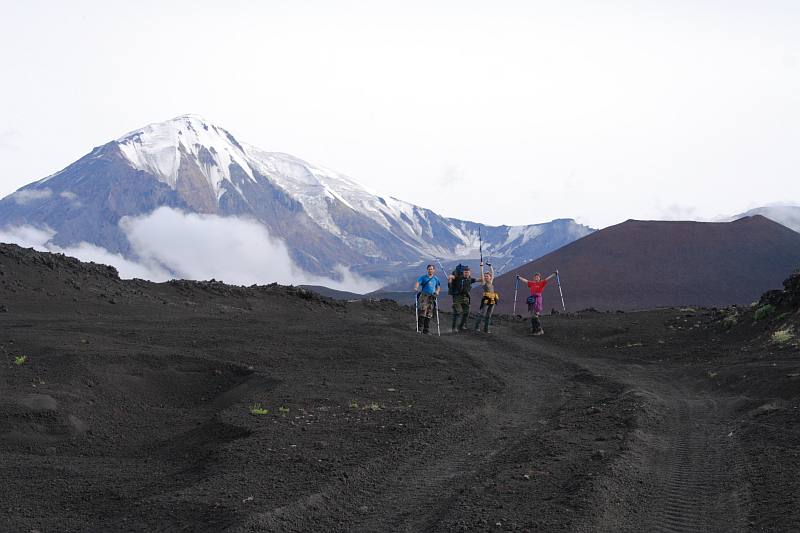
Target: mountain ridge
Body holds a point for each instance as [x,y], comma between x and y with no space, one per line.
[324,217]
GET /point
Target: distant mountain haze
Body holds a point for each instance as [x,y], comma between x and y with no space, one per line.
[645,264]
[788,215]
[324,218]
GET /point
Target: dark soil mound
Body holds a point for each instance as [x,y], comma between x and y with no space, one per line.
[646,264]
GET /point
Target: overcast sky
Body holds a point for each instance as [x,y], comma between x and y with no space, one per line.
[501,112]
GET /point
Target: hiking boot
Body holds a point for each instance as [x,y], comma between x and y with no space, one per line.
[539,332]
[426,322]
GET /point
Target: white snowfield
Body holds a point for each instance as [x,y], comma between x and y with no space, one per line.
[157,149]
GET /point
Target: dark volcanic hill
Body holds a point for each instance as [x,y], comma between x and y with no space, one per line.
[646,264]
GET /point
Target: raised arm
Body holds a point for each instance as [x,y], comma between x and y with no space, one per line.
[523,280]
[550,276]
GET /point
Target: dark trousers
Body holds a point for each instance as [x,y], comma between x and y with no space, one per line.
[461,307]
[485,314]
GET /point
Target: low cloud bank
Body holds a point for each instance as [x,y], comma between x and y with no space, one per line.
[172,244]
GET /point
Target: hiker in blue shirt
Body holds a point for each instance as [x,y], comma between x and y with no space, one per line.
[427,288]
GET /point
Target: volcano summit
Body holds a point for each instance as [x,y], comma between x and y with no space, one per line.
[324,218]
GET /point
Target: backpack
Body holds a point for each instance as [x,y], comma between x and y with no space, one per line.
[452,289]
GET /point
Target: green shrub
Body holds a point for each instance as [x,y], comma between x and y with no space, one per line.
[765,311]
[19,360]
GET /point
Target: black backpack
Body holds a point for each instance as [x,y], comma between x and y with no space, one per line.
[454,287]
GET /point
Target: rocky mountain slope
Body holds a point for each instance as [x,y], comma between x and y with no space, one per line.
[324,218]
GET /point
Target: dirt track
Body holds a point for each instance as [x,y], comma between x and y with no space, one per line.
[132,412]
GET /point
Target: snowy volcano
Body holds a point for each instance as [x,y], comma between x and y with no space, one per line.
[324,218]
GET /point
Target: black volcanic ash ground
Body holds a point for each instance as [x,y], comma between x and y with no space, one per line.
[131,411]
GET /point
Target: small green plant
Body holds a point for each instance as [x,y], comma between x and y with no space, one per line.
[257,410]
[374,406]
[765,311]
[729,321]
[353,404]
[283,410]
[783,336]
[19,360]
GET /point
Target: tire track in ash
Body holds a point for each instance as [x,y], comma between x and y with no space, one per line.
[682,470]
[697,489]
[415,490]
[437,481]
[431,501]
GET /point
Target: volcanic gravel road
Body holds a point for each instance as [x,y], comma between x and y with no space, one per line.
[132,411]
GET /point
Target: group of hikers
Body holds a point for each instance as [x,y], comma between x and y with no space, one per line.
[459,286]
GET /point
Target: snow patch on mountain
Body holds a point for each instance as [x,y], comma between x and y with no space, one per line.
[160,148]
[525,233]
[313,185]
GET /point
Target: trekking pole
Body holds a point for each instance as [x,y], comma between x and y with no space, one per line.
[480,243]
[558,282]
[436,306]
[416,311]
[516,286]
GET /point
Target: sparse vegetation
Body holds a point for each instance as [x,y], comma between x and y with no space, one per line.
[374,406]
[783,336]
[730,321]
[353,404]
[765,311]
[19,360]
[283,410]
[257,410]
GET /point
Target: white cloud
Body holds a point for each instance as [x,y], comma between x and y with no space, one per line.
[172,244]
[31,195]
[27,236]
[127,269]
[234,250]
[39,239]
[677,212]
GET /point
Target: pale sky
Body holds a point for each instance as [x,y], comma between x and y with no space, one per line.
[504,112]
